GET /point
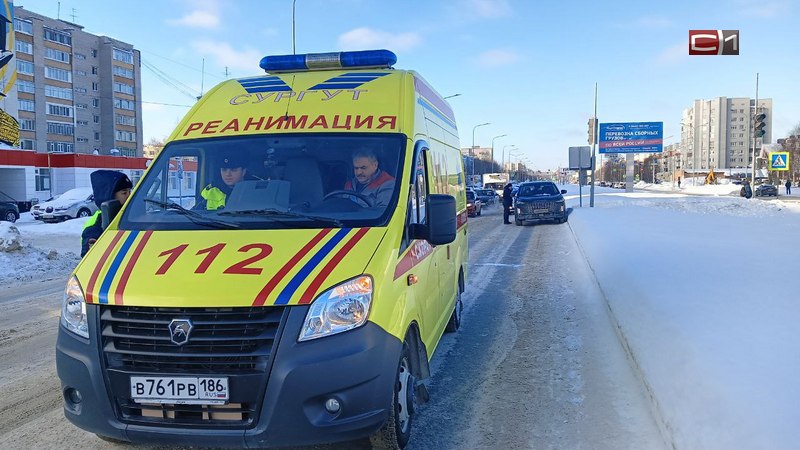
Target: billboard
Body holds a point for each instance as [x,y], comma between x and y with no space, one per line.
[632,137]
[9,106]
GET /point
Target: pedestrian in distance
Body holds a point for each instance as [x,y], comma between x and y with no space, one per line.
[789,187]
[679,182]
[746,191]
[507,203]
[106,185]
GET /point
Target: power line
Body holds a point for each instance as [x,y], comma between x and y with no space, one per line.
[181,64]
[168,80]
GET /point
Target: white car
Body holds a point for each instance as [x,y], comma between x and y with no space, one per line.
[74,203]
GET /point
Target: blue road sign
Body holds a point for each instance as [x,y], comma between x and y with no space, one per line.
[632,137]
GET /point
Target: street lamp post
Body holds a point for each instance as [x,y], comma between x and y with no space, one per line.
[510,154]
[472,149]
[493,139]
[513,147]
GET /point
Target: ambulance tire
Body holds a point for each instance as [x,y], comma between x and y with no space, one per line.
[455,318]
[394,435]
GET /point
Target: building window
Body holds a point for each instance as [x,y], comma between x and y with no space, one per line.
[125,120]
[64,129]
[56,55]
[124,104]
[81,105]
[123,55]
[23,26]
[55,109]
[25,86]
[80,90]
[27,105]
[123,88]
[58,92]
[81,73]
[27,124]
[95,86]
[57,36]
[94,53]
[42,179]
[122,71]
[24,67]
[23,47]
[80,56]
[58,74]
[96,102]
[96,136]
[83,122]
[96,118]
[82,139]
[60,147]
[126,136]
[27,144]
[94,70]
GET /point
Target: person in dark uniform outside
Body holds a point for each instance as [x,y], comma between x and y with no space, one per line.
[788,187]
[369,180]
[232,170]
[106,185]
[508,202]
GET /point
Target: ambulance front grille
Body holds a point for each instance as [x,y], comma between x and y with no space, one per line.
[222,340]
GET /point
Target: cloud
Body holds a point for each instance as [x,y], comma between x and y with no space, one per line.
[364,38]
[227,56]
[498,57]
[673,55]
[206,15]
[489,9]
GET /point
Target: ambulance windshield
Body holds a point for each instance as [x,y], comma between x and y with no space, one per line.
[270,182]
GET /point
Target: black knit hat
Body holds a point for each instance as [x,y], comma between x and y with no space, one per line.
[123,183]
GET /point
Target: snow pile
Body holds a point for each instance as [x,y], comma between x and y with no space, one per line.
[9,238]
[705,300]
[43,251]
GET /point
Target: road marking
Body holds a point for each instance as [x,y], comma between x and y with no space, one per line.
[515,266]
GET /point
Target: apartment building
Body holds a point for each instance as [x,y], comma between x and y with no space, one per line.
[77,92]
[718,133]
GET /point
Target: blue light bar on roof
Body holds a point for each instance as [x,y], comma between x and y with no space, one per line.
[324,61]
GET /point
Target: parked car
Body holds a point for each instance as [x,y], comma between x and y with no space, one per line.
[539,201]
[9,211]
[487,196]
[474,204]
[766,189]
[74,203]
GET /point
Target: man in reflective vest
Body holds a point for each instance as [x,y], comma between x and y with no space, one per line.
[232,170]
[106,185]
[370,180]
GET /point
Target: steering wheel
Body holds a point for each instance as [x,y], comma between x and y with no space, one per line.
[344,193]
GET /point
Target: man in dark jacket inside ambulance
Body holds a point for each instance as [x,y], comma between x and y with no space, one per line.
[106,185]
[369,179]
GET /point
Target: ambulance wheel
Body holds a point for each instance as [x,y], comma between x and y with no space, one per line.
[397,430]
[348,194]
[455,318]
[518,222]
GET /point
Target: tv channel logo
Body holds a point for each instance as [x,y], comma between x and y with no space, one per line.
[713,42]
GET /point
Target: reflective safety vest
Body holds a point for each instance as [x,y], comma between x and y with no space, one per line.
[92,220]
[215,198]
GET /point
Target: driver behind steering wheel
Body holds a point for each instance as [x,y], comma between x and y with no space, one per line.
[369,179]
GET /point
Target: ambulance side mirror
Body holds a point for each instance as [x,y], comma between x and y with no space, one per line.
[441,219]
[109,210]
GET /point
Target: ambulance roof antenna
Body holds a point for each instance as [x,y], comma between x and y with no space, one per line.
[202,78]
[293,47]
[73,15]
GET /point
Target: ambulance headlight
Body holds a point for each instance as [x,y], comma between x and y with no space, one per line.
[73,310]
[342,308]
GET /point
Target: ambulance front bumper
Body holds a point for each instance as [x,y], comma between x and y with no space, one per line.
[287,405]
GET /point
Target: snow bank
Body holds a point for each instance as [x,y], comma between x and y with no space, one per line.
[9,238]
[706,302]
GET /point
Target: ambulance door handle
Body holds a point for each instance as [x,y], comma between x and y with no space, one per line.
[448,252]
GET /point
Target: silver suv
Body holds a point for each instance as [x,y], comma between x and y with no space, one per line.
[74,203]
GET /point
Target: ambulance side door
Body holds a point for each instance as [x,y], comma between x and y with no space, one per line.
[420,252]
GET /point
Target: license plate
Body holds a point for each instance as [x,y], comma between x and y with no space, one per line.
[180,390]
[541,211]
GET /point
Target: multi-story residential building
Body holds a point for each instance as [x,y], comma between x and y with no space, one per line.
[718,133]
[77,92]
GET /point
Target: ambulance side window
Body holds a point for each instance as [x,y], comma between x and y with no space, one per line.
[417,198]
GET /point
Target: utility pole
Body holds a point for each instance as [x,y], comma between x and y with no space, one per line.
[752,119]
[594,140]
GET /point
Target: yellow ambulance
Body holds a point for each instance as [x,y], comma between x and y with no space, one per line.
[283,272]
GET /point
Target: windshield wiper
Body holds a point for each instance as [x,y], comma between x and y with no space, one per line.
[193,215]
[286,214]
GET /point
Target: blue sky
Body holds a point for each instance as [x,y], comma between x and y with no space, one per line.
[528,67]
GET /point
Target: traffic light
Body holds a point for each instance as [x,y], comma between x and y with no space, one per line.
[592,130]
[760,124]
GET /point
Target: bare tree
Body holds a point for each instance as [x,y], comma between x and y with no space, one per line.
[795,131]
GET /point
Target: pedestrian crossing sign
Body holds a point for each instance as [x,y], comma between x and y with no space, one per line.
[779,161]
